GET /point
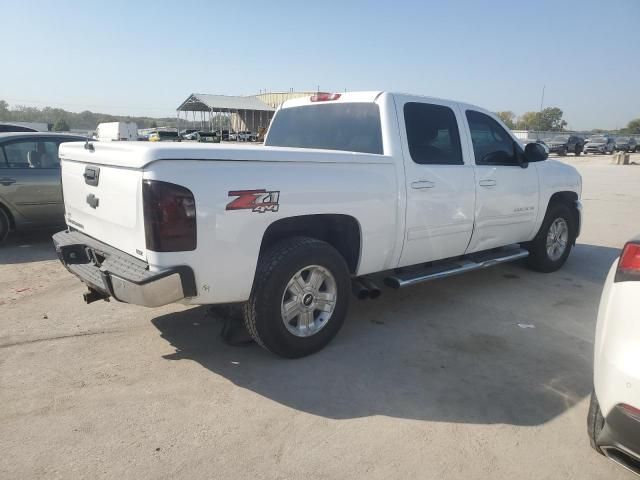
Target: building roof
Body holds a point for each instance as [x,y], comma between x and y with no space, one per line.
[203,102]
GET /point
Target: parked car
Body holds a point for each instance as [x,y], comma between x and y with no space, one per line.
[12,127]
[291,232]
[626,144]
[563,144]
[246,136]
[233,136]
[188,133]
[164,136]
[223,134]
[614,412]
[30,190]
[203,136]
[600,144]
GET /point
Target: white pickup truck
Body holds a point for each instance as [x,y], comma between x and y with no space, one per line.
[346,185]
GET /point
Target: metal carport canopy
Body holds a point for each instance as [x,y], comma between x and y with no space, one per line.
[201,102]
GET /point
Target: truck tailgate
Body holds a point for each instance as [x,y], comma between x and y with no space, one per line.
[104,201]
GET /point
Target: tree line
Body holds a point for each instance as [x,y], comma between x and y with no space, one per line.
[550,120]
[61,120]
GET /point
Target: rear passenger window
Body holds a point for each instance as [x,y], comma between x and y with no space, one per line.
[32,154]
[18,152]
[432,134]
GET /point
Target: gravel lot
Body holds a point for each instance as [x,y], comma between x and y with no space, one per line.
[437,381]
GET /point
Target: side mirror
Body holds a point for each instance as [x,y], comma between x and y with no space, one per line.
[535,152]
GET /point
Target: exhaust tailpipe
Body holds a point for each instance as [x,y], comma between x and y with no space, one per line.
[359,290]
[374,290]
[622,458]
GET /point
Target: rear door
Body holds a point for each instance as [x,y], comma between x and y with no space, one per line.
[30,181]
[507,194]
[439,180]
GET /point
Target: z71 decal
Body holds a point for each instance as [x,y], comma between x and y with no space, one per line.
[255,200]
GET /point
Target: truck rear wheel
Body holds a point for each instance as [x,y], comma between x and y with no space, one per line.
[300,297]
[551,246]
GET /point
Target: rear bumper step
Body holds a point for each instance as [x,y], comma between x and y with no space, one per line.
[113,273]
[464,264]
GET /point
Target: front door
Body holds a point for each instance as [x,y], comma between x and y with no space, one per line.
[507,194]
[439,182]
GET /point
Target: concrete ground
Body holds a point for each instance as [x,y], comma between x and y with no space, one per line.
[433,382]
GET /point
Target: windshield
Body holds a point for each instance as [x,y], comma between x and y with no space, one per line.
[599,140]
[352,127]
[622,139]
[560,138]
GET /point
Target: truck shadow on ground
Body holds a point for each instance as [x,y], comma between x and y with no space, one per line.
[503,345]
[30,246]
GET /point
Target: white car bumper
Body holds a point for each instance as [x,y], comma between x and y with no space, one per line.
[617,364]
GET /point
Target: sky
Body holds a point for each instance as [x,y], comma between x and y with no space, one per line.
[145,57]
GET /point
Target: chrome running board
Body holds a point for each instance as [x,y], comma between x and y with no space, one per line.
[474,261]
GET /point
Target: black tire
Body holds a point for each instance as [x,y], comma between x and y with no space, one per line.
[578,151]
[538,259]
[595,422]
[4,226]
[276,267]
[563,152]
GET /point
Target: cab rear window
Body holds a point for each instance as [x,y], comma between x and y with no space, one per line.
[351,127]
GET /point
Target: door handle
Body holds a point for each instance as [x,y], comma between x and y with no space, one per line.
[422,184]
[487,183]
[6,181]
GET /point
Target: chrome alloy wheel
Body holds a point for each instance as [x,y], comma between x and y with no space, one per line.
[308,301]
[557,238]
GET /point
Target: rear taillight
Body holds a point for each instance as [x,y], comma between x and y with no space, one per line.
[169,217]
[629,263]
[324,97]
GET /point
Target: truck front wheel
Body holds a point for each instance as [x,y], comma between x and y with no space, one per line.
[551,246]
[300,297]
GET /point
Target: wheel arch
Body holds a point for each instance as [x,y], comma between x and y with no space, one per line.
[7,212]
[571,200]
[343,232]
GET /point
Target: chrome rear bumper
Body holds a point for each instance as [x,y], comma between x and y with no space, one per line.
[108,272]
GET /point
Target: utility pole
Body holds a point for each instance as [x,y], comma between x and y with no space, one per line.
[540,112]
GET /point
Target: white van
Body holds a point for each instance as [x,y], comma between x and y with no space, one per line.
[115,131]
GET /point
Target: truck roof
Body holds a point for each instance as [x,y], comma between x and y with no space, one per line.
[369,96]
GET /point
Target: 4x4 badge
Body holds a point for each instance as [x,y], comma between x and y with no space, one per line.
[255,200]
